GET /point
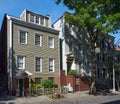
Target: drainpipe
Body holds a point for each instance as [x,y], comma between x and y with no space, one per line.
[10,53]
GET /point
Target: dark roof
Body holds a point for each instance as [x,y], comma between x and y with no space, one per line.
[33,26]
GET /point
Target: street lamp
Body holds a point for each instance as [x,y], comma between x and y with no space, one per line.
[113,77]
[97,50]
[114,62]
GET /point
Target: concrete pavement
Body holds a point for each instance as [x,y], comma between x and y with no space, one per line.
[44,99]
[39,99]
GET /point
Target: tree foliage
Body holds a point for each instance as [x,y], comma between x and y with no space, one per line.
[97,17]
[94,15]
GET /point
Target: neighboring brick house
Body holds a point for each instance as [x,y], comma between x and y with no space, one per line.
[30,49]
[104,58]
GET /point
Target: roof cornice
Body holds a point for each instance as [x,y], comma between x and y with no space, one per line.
[31,25]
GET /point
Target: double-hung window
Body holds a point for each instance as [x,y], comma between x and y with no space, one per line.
[38,64]
[51,64]
[20,62]
[37,20]
[42,21]
[51,42]
[38,39]
[37,80]
[22,37]
[32,18]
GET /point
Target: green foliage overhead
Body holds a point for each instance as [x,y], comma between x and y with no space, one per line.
[95,15]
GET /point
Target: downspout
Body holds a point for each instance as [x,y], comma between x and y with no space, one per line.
[10,54]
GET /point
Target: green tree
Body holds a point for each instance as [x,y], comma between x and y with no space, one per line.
[95,16]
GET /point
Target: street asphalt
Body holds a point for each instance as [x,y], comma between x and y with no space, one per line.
[80,97]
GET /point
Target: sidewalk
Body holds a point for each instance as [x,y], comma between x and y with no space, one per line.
[40,99]
[78,94]
[86,93]
[44,99]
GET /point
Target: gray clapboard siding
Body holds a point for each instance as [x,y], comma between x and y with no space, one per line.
[30,50]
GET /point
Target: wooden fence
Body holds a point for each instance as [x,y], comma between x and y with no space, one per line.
[46,91]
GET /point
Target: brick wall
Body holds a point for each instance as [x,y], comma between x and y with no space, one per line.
[77,82]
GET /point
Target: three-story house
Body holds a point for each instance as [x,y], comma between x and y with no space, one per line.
[29,50]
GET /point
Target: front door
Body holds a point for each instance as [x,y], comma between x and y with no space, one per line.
[21,87]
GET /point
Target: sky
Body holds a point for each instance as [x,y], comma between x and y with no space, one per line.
[43,7]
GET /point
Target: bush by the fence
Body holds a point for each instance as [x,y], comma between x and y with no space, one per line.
[34,85]
[46,83]
[48,91]
[72,72]
[54,85]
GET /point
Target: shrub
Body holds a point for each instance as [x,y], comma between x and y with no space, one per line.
[54,85]
[34,85]
[72,72]
[46,83]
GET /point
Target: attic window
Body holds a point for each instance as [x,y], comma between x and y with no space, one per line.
[37,19]
[32,18]
[42,20]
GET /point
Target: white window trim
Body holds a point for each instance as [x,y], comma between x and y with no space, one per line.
[39,20]
[43,21]
[53,46]
[30,18]
[35,19]
[40,39]
[23,61]
[25,37]
[53,65]
[40,65]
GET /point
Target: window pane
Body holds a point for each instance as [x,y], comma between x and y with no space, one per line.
[42,21]
[37,80]
[51,42]
[38,65]
[23,37]
[38,39]
[31,18]
[37,61]
[51,64]
[37,19]
[20,65]
[20,62]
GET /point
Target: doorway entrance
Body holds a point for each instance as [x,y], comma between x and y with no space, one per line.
[21,87]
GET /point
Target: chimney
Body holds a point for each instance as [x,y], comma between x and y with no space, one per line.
[49,21]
